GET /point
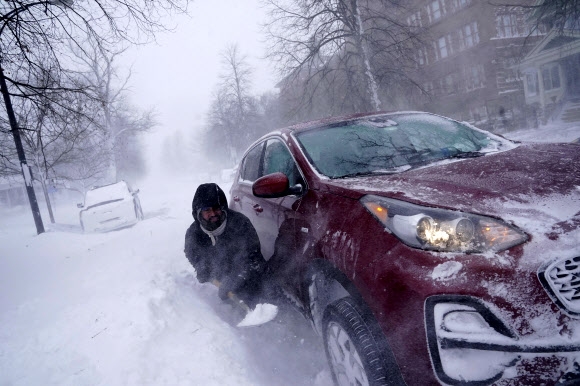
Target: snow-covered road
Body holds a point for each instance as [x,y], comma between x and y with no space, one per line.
[124,308]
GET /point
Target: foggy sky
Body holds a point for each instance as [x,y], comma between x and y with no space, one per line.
[177,76]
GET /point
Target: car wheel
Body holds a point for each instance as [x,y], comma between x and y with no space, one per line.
[352,351]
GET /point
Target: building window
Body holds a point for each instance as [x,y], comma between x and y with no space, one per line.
[435,10]
[551,77]
[478,113]
[448,84]
[468,36]
[428,88]
[443,47]
[414,20]
[422,56]
[507,26]
[532,84]
[458,4]
[474,77]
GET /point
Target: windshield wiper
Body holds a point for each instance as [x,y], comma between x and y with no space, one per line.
[396,170]
[467,154]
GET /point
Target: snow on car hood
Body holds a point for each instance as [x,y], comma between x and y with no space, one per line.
[534,186]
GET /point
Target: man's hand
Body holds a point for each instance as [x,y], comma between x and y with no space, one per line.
[229,284]
[223,292]
[202,275]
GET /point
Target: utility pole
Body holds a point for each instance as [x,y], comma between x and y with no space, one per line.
[26,171]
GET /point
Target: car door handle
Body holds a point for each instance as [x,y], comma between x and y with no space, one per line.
[236,199]
[258,208]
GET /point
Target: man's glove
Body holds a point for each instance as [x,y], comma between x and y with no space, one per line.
[202,275]
[223,290]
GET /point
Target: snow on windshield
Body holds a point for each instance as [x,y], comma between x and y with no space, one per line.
[382,143]
[111,192]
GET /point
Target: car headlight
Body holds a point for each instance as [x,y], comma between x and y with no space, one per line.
[440,229]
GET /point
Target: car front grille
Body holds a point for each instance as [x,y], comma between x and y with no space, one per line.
[562,281]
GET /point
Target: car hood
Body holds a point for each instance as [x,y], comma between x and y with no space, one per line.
[535,186]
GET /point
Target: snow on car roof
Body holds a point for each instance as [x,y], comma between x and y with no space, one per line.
[118,190]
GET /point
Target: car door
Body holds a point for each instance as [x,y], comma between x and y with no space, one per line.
[243,200]
[287,260]
[262,213]
[267,215]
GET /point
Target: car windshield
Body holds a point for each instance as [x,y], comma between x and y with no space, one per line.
[391,144]
[111,192]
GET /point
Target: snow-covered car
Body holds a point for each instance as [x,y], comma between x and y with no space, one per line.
[425,251]
[110,207]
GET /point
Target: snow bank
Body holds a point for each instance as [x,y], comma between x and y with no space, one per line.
[124,308]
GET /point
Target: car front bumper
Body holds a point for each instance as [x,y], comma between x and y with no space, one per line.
[470,345]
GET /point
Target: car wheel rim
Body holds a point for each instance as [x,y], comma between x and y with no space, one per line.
[345,359]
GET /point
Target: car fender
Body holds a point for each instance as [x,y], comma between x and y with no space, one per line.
[324,284]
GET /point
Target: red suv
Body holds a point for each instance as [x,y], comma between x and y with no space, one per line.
[424,250]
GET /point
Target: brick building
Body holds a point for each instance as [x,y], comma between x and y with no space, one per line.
[468,62]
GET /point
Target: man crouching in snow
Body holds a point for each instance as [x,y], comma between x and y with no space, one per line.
[223,246]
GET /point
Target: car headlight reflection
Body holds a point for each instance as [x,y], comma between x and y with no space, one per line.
[442,230]
[464,229]
[425,228]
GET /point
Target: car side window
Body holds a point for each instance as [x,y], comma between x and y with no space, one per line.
[277,158]
[251,164]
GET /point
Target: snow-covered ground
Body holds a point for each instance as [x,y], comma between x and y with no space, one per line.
[555,132]
[124,307]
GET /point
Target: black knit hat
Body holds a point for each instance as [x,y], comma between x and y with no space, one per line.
[208,195]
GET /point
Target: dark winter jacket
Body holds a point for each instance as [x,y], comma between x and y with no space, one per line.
[235,260]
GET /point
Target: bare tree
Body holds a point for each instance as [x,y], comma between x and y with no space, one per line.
[69,144]
[343,49]
[129,124]
[233,114]
[559,15]
[56,137]
[236,81]
[222,127]
[108,86]
[34,35]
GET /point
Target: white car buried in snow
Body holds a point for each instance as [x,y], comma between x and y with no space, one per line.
[110,207]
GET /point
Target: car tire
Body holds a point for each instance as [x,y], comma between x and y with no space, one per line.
[352,350]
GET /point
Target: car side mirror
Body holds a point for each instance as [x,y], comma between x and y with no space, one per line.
[80,206]
[272,186]
[296,189]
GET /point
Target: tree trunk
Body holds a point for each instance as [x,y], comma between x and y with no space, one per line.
[371,83]
[47,198]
